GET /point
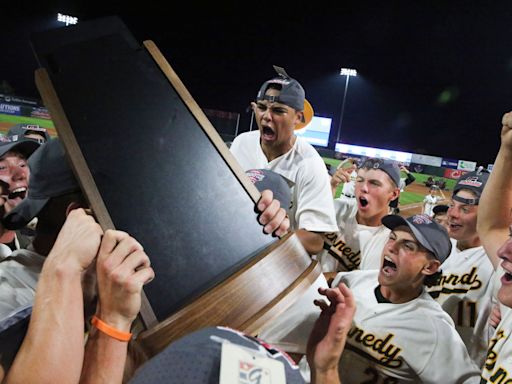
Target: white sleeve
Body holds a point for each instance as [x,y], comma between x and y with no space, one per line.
[315,208]
[449,361]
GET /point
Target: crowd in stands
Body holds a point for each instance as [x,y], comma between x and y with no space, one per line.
[424,298]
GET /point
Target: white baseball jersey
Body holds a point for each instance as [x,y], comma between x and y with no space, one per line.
[354,244]
[430,202]
[465,292]
[19,274]
[498,364]
[312,208]
[413,342]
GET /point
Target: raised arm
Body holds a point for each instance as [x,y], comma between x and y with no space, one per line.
[329,334]
[496,202]
[53,349]
[122,269]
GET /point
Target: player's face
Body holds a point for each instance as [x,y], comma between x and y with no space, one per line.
[14,171]
[276,123]
[374,190]
[505,254]
[442,218]
[462,218]
[404,261]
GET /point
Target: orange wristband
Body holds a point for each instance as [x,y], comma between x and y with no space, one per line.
[110,331]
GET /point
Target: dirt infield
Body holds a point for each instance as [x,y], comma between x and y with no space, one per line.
[412,209]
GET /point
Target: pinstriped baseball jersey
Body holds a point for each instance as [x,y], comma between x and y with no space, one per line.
[411,342]
[465,293]
[498,364]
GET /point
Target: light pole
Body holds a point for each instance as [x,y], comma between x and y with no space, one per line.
[348,73]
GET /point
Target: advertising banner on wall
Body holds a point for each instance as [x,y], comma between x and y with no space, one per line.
[465,165]
[453,173]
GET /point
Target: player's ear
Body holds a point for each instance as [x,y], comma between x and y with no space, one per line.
[431,266]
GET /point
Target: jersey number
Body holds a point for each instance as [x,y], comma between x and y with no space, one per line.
[466,314]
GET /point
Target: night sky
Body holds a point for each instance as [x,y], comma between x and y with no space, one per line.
[434,79]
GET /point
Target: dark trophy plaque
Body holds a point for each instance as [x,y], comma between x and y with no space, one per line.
[151,164]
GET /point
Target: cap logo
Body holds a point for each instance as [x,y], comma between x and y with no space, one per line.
[471,182]
[255,176]
[421,219]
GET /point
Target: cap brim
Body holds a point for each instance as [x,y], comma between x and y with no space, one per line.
[393,221]
[23,213]
[26,147]
[308,115]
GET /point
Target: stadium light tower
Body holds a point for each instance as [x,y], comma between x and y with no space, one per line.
[348,73]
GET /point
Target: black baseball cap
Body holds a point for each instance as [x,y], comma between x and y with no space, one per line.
[427,232]
[21,130]
[385,165]
[440,209]
[50,176]
[196,358]
[292,94]
[268,179]
[17,144]
[474,181]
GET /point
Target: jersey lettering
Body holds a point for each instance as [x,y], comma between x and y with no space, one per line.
[348,258]
[390,353]
[499,375]
[469,282]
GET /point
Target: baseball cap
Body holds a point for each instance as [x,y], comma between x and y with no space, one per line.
[292,94]
[267,179]
[21,130]
[427,232]
[50,176]
[440,209]
[18,144]
[474,181]
[196,358]
[388,166]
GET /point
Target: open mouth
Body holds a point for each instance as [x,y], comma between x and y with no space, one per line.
[363,202]
[268,133]
[388,266]
[18,193]
[507,276]
[455,226]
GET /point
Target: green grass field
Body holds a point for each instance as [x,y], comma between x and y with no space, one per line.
[45,123]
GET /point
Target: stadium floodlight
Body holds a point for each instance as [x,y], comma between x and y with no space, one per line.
[348,73]
[67,19]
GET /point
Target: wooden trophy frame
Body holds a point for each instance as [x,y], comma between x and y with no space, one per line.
[255,290]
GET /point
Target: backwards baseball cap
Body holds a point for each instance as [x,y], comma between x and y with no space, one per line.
[22,130]
[50,176]
[18,144]
[474,181]
[267,179]
[199,358]
[440,209]
[388,166]
[427,232]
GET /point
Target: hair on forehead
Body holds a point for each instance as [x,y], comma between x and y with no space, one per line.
[470,191]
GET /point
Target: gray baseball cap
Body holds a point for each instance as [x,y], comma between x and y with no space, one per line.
[292,94]
[427,232]
[50,176]
[196,359]
[21,130]
[17,144]
[267,179]
[474,181]
[388,166]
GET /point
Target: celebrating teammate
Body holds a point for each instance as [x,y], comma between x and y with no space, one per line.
[465,290]
[361,234]
[399,333]
[494,229]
